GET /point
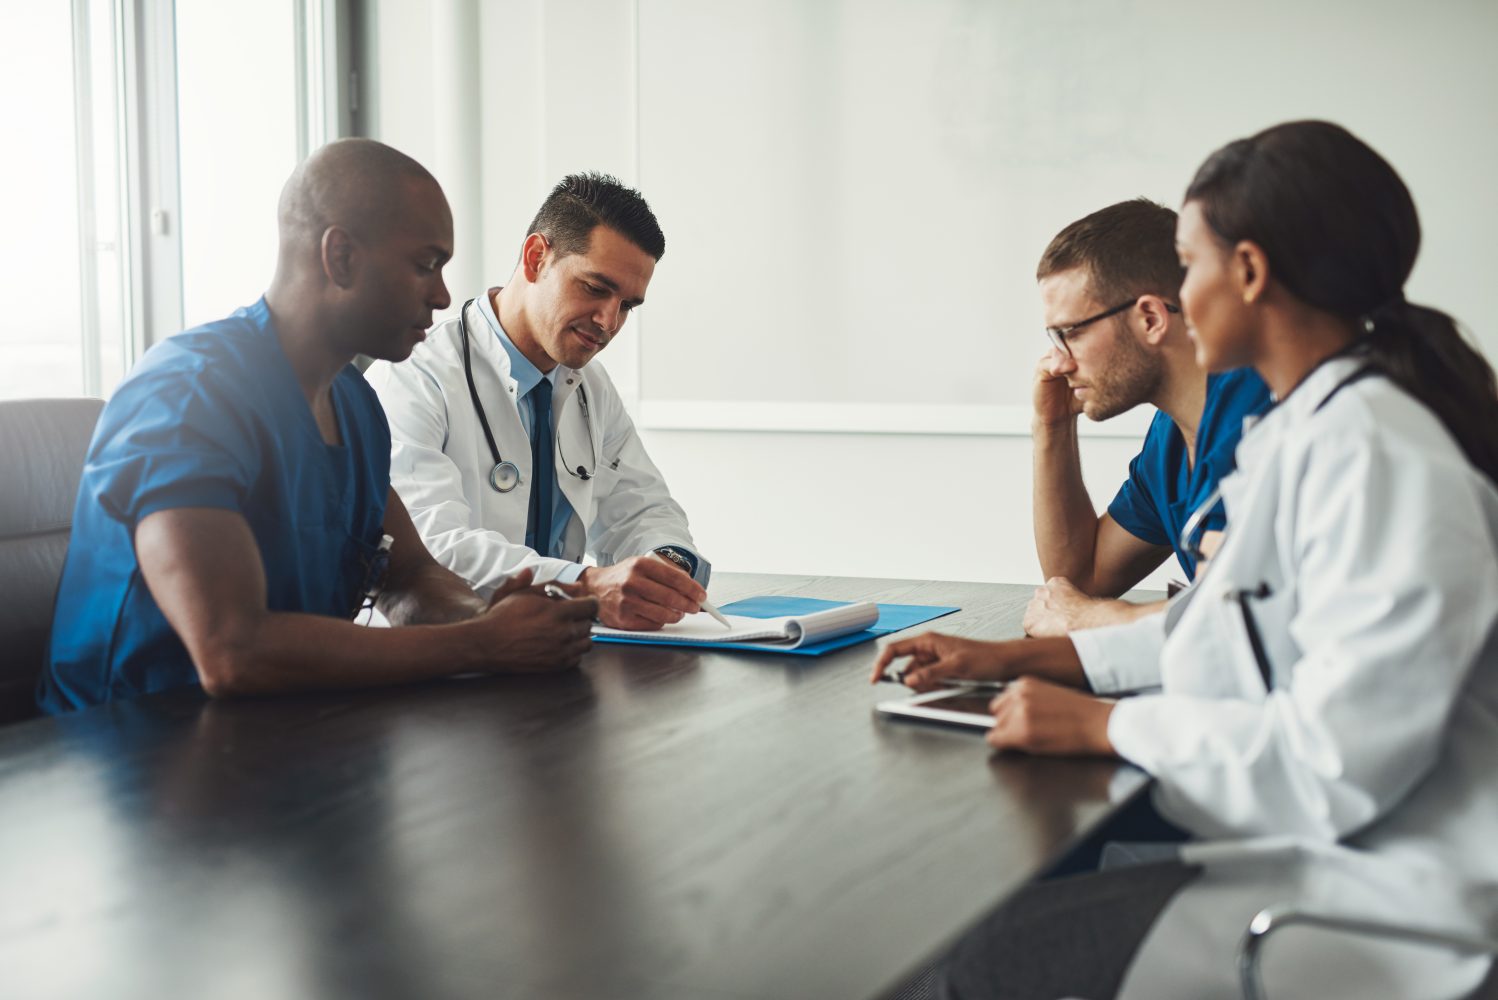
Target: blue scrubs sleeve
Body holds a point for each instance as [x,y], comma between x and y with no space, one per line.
[1133,508]
[181,441]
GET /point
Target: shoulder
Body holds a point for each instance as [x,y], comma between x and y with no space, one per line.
[1376,444]
[602,395]
[1162,432]
[435,365]
[597,381]
[1236,394]
[207,372]
[1375,413]
[355,388]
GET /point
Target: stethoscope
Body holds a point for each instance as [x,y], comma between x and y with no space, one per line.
[505,475]
[1242,595]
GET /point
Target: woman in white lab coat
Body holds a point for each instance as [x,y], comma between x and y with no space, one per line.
[1321,708]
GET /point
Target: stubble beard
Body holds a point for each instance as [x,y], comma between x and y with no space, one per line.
[1132,377]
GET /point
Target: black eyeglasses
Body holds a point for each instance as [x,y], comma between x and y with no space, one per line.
[1058,334]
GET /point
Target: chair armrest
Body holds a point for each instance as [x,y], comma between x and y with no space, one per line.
[1273,918]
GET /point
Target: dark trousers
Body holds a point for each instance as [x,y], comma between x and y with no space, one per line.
[1066,937]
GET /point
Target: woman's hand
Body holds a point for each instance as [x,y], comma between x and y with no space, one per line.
[934,657]
[1039,717]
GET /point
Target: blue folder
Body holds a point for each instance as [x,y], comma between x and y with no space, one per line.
[892,618]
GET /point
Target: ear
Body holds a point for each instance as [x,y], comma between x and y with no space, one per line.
[1250,269]
[533,256]
[340,256]
[1156,319]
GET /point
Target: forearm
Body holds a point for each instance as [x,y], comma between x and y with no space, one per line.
[1114,612]
[1065,522]
[432,596]
[1053,659]
[283,652]
[487,558]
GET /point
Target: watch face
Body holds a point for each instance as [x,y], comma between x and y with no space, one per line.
[673,556]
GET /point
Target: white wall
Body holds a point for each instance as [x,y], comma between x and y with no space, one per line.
[1071,105]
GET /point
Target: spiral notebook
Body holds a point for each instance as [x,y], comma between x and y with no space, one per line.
[799,626]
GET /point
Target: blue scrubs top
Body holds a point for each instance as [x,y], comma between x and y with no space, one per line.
[1162,492]
[213,417]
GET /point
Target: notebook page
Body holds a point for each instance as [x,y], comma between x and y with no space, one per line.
[788,632]
[833,622]
[703,627]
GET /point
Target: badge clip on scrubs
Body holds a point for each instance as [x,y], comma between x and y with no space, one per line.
[505,475]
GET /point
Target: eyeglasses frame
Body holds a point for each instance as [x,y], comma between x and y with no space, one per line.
[1058,334]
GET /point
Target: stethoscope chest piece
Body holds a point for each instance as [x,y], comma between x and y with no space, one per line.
[504,477]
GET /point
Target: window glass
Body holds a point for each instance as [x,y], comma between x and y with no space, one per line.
[237,135]
[40,313]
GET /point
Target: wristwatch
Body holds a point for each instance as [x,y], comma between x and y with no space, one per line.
[675,557]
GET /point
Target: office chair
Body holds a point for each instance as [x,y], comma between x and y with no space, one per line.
[42,446]
[1275,918]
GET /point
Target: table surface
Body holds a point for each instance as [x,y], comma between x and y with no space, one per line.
[673,823]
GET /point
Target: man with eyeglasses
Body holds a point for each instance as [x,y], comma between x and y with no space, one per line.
[1109,284]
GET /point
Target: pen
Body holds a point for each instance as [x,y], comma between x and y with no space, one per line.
[554,592]
[963,683]
[706,605]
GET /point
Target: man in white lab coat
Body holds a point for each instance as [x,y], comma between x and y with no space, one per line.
[512,451]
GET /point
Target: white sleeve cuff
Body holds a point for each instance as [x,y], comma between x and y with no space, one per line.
[1122,657]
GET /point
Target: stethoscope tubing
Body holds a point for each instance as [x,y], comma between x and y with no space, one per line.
[505,475]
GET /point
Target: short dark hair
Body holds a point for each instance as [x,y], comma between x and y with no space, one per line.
[581,202]
[1128,250]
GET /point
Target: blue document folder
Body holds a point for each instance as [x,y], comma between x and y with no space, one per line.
[892,618]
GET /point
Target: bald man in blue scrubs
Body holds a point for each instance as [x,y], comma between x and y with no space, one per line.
[235,511]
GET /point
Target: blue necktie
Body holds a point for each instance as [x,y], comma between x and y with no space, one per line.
[543,471]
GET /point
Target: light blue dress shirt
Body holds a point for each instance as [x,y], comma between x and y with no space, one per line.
[527,376]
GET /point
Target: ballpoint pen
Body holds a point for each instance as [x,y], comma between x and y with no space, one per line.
[706,604]
[970,684]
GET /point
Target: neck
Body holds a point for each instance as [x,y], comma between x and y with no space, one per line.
[1183,394]
[307,338]
[1294,343]
[509,306]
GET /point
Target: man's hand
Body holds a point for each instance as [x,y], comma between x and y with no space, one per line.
[530,632]
[1054,401]
[1058,607]
[1039,717]
[642,593]
[934,657]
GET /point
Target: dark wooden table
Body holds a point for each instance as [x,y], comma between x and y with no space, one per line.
[662,823]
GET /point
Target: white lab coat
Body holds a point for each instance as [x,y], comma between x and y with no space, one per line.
[1366,782]
[440,462]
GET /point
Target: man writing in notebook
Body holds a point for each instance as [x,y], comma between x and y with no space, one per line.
[235,509]
[510,444]
[1110,285]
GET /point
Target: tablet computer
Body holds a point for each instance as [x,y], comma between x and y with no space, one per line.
[956,707]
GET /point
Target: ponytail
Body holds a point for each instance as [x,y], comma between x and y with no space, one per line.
[1341,231]
[1422,351]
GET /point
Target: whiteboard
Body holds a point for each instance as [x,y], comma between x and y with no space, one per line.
[855,192]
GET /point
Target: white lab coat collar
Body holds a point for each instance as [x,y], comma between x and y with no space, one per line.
[486,344]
